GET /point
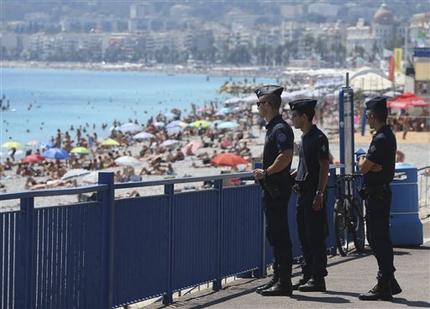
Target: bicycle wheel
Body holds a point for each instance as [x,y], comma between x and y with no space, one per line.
[341,227]
[357,225]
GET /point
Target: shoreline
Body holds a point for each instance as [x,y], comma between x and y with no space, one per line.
[209,70]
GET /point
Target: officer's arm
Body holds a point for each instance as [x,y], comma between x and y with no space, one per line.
[323,176]
[365,165]
[281,162]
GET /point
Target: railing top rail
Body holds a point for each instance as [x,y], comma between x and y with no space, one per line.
[51,192]
[423,168]
[177,180]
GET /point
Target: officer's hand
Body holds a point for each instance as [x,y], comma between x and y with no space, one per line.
[258,173]
[318,202]
[376,168]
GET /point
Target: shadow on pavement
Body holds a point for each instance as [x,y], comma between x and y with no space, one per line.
[321,299]
[411,303]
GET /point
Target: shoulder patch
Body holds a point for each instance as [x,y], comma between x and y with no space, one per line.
[372,148]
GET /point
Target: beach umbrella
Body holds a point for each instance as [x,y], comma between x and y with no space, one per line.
[174,131]
[193,146]
[80,150]
[224,111]
[228,125]
[407,100]
[169,143]
[56,153]
[128,161]
[228,159]
[200,124]
[34,158]
[33,143]
[92,177]
[159,124]
[110,142]
[47,145]
[130,127]
[143,136]
[176,123]
[74,173]
[12,144]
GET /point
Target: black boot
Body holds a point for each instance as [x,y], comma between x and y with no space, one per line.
[313,285]
[269,284]
[282,288]
[301,282]
[381,291]
[395,287]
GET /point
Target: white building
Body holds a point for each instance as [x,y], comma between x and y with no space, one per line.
[383,26]
[360,35]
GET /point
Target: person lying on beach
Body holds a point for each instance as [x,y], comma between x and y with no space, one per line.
[32,184]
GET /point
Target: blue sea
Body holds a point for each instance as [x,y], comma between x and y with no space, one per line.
[44,100]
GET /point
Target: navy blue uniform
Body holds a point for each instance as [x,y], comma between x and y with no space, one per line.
[279,137]
[312,224]
[382,151]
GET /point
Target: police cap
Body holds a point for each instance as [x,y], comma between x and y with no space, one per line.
[269,89]
[302,105]
[377,104]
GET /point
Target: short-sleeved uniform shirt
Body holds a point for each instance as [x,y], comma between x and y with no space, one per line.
[382,151]
[279,137]
[314,147]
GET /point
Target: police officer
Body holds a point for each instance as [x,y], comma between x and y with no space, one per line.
[275,179]
[311,180]
[377,167]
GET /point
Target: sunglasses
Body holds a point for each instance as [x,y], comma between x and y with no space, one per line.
[261,102]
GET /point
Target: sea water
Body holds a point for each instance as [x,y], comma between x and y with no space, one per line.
[44,100]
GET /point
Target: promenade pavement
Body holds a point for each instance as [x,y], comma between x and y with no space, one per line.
[348,277]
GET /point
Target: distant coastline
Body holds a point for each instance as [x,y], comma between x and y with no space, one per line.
[210,70]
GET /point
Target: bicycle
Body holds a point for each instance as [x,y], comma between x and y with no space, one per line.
[348,216]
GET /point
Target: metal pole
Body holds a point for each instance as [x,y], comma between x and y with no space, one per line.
[107,198]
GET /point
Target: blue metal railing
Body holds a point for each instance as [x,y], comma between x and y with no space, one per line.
[108,253]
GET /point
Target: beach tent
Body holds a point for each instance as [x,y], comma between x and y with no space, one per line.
[370,82]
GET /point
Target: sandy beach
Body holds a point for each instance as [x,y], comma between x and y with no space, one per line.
[416,148]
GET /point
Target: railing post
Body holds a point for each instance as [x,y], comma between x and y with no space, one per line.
[262,270]
[168,296]
[107,200]
[217,283]
[26,280]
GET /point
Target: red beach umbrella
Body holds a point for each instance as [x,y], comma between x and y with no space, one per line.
[34,158]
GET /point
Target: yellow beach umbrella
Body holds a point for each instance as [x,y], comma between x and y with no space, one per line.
[12,144]
[200,124]
[110,142]
[80,150]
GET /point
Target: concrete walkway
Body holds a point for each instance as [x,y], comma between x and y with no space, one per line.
[348,277]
